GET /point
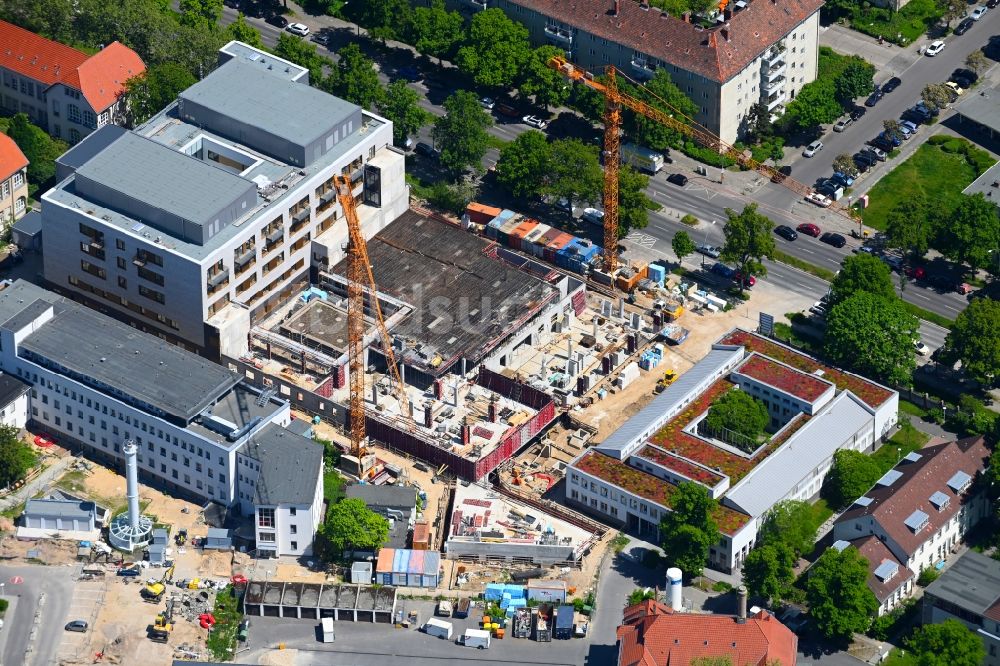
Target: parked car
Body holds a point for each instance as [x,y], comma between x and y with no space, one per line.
[300,29]
[487,103]
[507,110]
[891,85]
[427,150]
[322,38]
[921,348]
[809,229]
[962,81]
[535,121]
[874,98]
[709,251]
[786,232]
[720,268]
[410,73]
[905,131]
[857,112]
[78,626]
[964,26]
[992,4]
[844,179]
[833,239]
[916,272]
[593,215]
[828,189]
[738,278]
[277,20]
[860,163]
[677,179]
[842,124]
[910,125]
[813,148]
[954,87]
[877,153]
[977,13]
[820,200]
[882,143]
[936,47]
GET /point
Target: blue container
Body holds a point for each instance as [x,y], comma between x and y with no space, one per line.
[657,274]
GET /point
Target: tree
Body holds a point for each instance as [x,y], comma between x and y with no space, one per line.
[304,53]
[861,272]
[973,232]
[936,96]
[758,121]
[851,476]
[633,204]
[434,31]
[496,49]
[524,164]
[203,14]
[789,522]
[638,595]
[40,149]
[351,525]
[689,528]
[355,78]
[892,129]
[977,61]
[748,241]
[576,171]
[52,18]
[873,336]
[682,245]
[151,91]
[816,104]
[540,81]
[739,414]
[845,164]
[16,457]
[949,643]
[661,93]
[385,19]
[838,595]
[953,10]
[400,104]
[855,80]
[768,571]
[909,227]
[242,31]
[974,340]
[461,133]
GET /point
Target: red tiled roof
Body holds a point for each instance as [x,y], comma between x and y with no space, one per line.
[891,505]
[11,157]
[98,77]
[875,551]
[654,635]
[710,53]
[802,385]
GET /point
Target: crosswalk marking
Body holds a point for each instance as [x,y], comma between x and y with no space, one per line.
[641,239]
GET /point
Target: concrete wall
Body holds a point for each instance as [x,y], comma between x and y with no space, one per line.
[458,547]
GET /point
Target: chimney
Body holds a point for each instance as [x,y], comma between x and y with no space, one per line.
[725,31]
[741,613]
[438,389]
[687,16]
[727,13]
[466,432]
[618,7]
[428,416]
[494,412]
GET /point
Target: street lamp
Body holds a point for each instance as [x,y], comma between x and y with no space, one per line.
[706,243]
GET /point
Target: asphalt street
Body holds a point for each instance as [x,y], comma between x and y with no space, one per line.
[29,644]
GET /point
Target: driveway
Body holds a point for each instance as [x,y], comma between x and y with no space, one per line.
[45,591]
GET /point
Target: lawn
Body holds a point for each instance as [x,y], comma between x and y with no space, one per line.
[903,442]
[938,171]
[902,27]
[222,638]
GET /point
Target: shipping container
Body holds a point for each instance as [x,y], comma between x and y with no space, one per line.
[327,623]
[507,228]
[463,607]
[481,213]
[556,244]
[530,242]
[516,237]
[564,622]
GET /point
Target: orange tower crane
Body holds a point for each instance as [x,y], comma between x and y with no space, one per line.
[360,279]
[614,100]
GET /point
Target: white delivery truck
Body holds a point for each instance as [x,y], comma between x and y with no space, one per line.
[476,638]
[327,623]
[439,628]
[643,159]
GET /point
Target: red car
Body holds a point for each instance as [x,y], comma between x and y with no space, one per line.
[916,272]
[738,279]
[808,229]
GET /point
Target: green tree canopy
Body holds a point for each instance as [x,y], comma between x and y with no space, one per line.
[816,104]
[355,78]
[790,522]
[352,525]
[638,595]
[975,341]
[949,643]
[153,90]
[242,31]
[304,53]
[435,31]
[838,595]
[748,240]
[40,149]
[16,457]
[851,476]
[576,171]
[892,128]
[768,571]
[739,414]
[856,80]
[845,164]
[689,529]
[461,133]
[861,272]
[202,14]
[688,548]
[873,336]
[977,61]
[936,95]
[525,163]
[400,104]
[973,233]
[758,120]
[385,19]
[661,93]
[496,49]
[909,226]
[540,81]
[682,245]
[633,204]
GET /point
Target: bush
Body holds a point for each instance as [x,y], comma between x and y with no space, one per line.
[689,220]
[3,606]
[739,418]
[619,542]
[722,587]
[928,576]
[886,625]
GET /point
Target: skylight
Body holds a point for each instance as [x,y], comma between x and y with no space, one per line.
[939,500]
[959,481]
[863,501]
[890,477]
[917,521]
[886,570]
[912,456]
[840,545]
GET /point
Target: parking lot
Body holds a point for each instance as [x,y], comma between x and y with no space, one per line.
[87,599]
[364,644]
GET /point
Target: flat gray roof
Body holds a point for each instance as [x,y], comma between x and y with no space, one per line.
[267,100]
[982,107]
[987,184]
[129,364]
[289,464]
[49,508]
[971,583]
[30,224]
[383,496]
[92,144]
[143,170]
[18,295]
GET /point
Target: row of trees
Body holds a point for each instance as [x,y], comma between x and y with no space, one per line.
[840,80]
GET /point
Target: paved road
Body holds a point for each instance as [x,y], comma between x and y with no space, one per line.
[26,644]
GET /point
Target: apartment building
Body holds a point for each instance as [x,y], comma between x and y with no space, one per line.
[13,181]
[969,591]
[923,507]
[213,212]
[752,51]
[65,91]
[889,579]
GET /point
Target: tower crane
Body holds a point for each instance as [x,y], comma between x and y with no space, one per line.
[360,279]
[614,100]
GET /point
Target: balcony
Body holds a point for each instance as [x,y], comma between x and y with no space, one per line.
[301,216]
[241,258]
[140,260]
[773,85]
[642,68]
[559,34]
[275,235]
[218,278]
[774,56]
[773,72]
[775,100]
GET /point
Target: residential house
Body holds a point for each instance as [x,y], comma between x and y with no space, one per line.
[969,591]
[889,579]
[13,181]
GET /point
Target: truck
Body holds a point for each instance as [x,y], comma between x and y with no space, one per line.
[439,628]
[444,608]
[543,624]
[477,638]
[463,607]
[643,159]
[564,622]
[674,334]
[327,626]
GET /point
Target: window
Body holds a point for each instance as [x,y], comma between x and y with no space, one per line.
[295,545]
[294,529]
[263,537]
[291,512]
[18,179]
[265,518]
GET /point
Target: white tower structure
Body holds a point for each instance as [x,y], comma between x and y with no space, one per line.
[675,579]
[131,529]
